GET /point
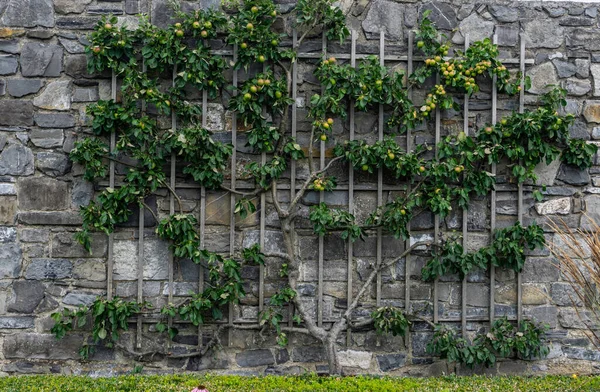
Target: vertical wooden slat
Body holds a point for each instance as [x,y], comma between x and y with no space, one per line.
[493,198]
[263,207]
[294,133]
[380,175]
[351,189]
[202,215]
[321,239]
[465,217]
[233,180]
[111,182]
[436,218]
[140,275]
[407,259]
[172,180]
[520,191]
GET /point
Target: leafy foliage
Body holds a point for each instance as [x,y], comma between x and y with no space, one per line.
[501,342]
[389,319]
[325,219]
[506,251]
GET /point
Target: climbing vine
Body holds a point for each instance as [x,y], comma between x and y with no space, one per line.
[438,181]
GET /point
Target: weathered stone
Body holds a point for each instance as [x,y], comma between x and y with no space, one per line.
[578,87]
[64,245]
[475,27]
[34,235]
[581,353]
[20,87]
[576,21]
[53,164]
[441,14]
[541,76]
[156,255]
[564,68]
[10,260]
[54,120]
[543,314]
[82,192]
[54,197]
[581,38]
[546,173]
[8,234]
[68,6]
[41,59]
[54,218]
[355,359]
[7,190]
[27,295]
[577,319]
[384,16]
[162,13]
[76,22]
[8,64]
[308,354]
[504,14]
[507,35]
[76,66]
[15,113]
[543,33]
[10,46]
[42,346]
[563,294]
[573,175]
[77,299]
[16,160]
[535,294]
[149,289]
[8,210]
[28,13]
[181,289]
[273,240]
[595,71]
[16,322]
[56,96]
[40,269]
[85,94]
[90,269]
[47,138]
[554,207]
[253,358]
[389,362]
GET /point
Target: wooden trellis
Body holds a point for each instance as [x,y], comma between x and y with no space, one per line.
[351,187]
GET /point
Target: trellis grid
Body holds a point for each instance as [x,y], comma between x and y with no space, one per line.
[380,188]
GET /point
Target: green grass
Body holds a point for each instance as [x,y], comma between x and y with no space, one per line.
[213,383]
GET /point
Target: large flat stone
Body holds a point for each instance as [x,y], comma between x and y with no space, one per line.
[8,64]
[389,362]
[8,234]
[52,218]
[8,210]
[70,7]
[560,206]
[53,164]
[39,59]
[42,346]
[21,87]
[355,359]
[542,76]
[16,113]
[47,138]
[543,33]
[442,14]
[27,295]
[476,27]
[40,269]
[56,96]
[10,260]
[65,245]
[54,197]
[16,160]
[156,260]
[254,358]
[27,13]
[54,120]
[384,16]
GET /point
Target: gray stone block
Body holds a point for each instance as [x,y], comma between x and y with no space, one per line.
[254,358]
[155,260]
[21,87]
[28,13]
[42,346]
[77,299]
[8,64]
[10,260]
[442,14]
[308,354]
[16,160]
[41,59]
[16,113]
[64,245]
[76,22]
[8,234]
[8,322]
[27,295]
[389,362]
[53,120]
[57,218]
[384,16]
[47,138]
[504,14]
[53,164]
[10,46]
[55,195]
[56,96]
[41,269]
[573,175]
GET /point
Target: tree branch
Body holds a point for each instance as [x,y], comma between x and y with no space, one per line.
[179,202]
[309,180]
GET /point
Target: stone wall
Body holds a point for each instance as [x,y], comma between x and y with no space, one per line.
[44,88]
